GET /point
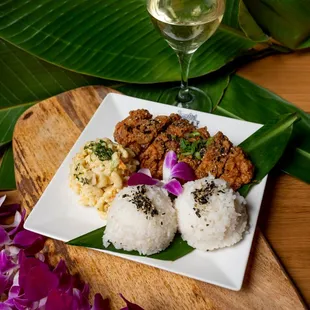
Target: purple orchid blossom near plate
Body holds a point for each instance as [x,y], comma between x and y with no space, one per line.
[28,282]
[172,172]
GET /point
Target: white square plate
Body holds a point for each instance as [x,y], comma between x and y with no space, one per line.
[58,214]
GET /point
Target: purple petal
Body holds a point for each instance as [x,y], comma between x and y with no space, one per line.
[183,171]
[25,238]
[85,290]
[60,300]
[145,171]
[16,279]
[174,187]
[3,306]
[39,282]
[141,179]
[18,222]
[35,278]
[170,161]
[66,281]
[4,237]
[13,250]
[6,262]
[60,268]
[40,256]
[42,303]
[30,241]
[100,303]
[14,292]
[5,283]
[2,200]
[22,304]
[80,299]
[130,305]
[9,210]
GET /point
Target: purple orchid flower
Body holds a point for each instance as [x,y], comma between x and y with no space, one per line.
[130,305]
[32,269]
[18,223]
[2,199]
[100,303]
[6,262]
[7,210]
[31,242]
[27,280]
[174,187]
[172,171]
[58,299]
[4,237]
[5,282]
[143,176]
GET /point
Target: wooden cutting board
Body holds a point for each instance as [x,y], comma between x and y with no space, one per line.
[43,136]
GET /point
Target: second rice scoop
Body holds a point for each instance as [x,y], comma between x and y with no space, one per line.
[210,214]
[141,218]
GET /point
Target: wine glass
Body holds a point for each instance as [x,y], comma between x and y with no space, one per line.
[185,25]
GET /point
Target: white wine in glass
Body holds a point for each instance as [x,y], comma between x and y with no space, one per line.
[185,25]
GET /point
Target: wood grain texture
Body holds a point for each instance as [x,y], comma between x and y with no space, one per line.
[285,214]
[287,75]
[42,138]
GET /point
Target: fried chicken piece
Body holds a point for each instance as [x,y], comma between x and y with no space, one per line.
[215,157]
[172,118]
[204,133]
[190,160]
[238,169]
[146,130]
[224,161]
[199,135]
[123,133]
[180,127]
[138,130]
[151,138]
[135,147]
[153,157]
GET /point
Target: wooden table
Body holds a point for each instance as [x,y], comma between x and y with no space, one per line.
[287,228]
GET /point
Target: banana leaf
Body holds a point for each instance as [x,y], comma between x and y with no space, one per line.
[112,39]
[25,78]
[7,177]
[238,17]
[230,17]
[286,21]
[260,146]
[8,118]
[249,25]
[214,84]
[266,146]
[245,100]
[248,101]
[296,162]
[93,239]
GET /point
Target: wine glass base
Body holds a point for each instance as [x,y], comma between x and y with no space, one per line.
[199,100]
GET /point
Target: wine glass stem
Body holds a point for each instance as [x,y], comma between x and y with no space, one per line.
[184,60]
